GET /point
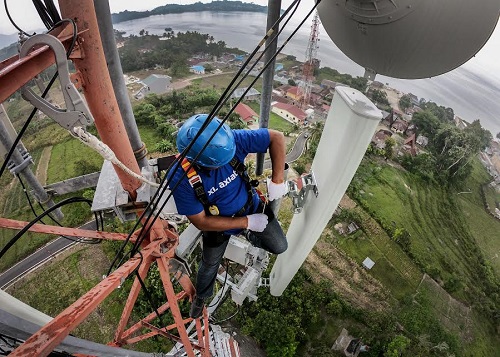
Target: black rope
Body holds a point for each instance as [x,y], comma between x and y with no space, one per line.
[12,20]
[142,236]
[153,205]
[65,202]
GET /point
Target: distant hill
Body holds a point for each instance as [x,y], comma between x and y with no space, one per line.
[177,9]
[6,40]
[8,51]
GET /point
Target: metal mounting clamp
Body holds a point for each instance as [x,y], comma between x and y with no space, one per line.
[299,189]
[76,112]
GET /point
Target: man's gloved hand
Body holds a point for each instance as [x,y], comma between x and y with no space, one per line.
[276,190]
[257,222]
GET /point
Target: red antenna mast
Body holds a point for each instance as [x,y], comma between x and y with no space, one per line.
[310,64]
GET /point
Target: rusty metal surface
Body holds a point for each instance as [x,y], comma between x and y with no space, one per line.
[15,72]
[132,298]
[99,91]
[63,231]
[50,335]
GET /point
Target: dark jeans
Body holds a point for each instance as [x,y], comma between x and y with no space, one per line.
[271,239]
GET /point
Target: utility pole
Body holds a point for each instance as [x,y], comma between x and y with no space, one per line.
[273,14]
[103,14]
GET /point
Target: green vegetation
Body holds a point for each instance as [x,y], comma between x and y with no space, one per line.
[221,81]
[73,272]
[358,83]
[450,150]
[72,158]
[147,51]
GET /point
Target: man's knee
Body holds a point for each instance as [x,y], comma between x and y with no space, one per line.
[280,248]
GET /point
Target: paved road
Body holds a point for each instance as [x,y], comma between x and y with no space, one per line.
[38,258]
[294,154]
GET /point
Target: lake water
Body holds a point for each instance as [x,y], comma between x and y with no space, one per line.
[472,91]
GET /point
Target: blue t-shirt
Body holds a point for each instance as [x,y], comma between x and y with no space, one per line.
[223,186]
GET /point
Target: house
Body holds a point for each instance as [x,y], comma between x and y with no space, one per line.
[414,99]
[252,94]
[283,89]
[352,227]
[409,146]
[195,61]
[326,83]
[155,83]
[247,114]
[289,112]
[280,79]
[279,67]
[278,98]
[399,126]
[377,84]
[294,93]
[422,140]
[460,123]
[380,137]
[198,69]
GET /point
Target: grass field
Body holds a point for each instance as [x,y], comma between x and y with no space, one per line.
[275,121]
[222,81]
[67,158]
[448,234]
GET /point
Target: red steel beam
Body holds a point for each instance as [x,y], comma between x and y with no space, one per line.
[64,231]
[161,310]
[99,91]
[132,298]
[163,267]
[15,72]
[43,342]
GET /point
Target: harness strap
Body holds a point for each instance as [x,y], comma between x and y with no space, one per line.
[197,184]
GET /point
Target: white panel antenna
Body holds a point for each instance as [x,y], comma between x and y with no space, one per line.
[349,127]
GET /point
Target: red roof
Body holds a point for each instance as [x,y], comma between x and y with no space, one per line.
[294,90]
[296,112]
[245,112]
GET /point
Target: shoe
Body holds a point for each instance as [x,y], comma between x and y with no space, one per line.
[197,307]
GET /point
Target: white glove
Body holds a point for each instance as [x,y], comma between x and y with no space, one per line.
[257,222]
[276,190]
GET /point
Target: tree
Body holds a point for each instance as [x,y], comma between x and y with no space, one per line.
[426,123]
[380,97]
[405,102]
[291,82]
[454,148]
[397,346]
[209,68]
[164,146]
[479,132]
[145,113]
[389,147]
[358,83]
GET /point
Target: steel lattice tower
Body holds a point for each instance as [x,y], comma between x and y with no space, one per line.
[310,63]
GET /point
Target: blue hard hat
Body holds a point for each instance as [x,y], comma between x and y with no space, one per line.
[218,152]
